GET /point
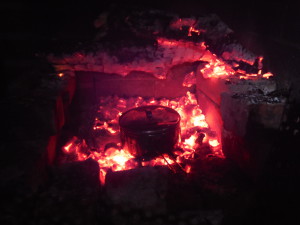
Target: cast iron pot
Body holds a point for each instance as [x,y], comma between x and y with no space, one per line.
[150,131]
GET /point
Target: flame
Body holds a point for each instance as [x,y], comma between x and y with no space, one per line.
[188,168]
[214,142]
[194,30]
[267,75]
[190,142]
[195,131]
[60,74]
[116,159]
[113,159]
[67,147]
[216,68]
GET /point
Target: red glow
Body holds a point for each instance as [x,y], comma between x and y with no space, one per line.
[189,79]
[260,65]
[214,142]
[188,169]
[267,75]
[216,68]
[120,159]
[193,30]
[173,52]
[67,147]
[193,121]
[183,22]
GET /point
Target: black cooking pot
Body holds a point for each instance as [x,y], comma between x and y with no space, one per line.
[150,131]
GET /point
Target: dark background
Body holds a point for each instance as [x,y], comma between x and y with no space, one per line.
[68,20]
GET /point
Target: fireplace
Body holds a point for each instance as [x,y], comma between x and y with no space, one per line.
[230,106]
[219,89]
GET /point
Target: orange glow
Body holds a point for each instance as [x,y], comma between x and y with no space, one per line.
[195,131]
[193,30]
[113,159]
[184,44]
[60,74]
[249,76]
[118,159]
[188,168]
[190,142]
[189,79]
[105,126]
[260,64]
[67,147]
[216,68]
[267,75]
[213,142]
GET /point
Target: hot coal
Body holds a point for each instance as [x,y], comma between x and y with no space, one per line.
[105,144]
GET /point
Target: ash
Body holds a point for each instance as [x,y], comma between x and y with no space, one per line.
[256,97]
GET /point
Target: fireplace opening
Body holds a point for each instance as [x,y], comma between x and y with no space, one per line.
[181,106]
[160,118]
[217,89]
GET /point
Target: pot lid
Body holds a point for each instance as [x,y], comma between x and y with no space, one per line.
[150,117]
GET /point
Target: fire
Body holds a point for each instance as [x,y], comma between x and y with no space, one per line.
[105,126]
[60,74]
[194,30]
[117,158]
[214,142]
[67,147]
[216,68]
[193,125]
[190,142]
[188,169]
[195,131]
[267,75]
[113,159]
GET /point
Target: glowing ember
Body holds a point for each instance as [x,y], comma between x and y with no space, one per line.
[60,74]
[214,142]
[190,142]
[216,67]
[67,147]
[188,169]
[193,30]
[117,159]
[195,131]
[114,159]
[267,75]
[189,79]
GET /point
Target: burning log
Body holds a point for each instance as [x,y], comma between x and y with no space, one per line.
[155,44]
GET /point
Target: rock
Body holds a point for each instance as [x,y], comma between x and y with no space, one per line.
[141,188]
